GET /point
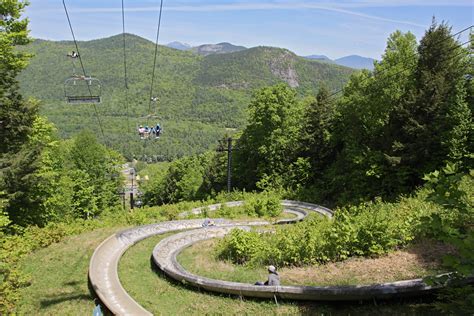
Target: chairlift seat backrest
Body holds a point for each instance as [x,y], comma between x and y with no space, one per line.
[82,89]
[83,99]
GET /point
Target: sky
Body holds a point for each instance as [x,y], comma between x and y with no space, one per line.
[322,27]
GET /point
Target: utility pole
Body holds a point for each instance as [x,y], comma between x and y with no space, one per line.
[121,192]
[132,173]
[229,164]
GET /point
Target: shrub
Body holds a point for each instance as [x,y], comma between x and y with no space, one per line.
[370,229]
[264,204]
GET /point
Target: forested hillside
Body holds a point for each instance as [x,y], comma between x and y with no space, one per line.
[199,97]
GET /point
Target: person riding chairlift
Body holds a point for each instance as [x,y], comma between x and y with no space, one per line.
[147,131]
[141,132]
[157,130]
[73,54]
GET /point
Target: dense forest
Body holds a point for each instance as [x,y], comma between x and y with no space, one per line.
[393,155]
[199,98]
[389,128]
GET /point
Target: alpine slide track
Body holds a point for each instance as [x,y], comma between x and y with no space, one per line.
[104,279]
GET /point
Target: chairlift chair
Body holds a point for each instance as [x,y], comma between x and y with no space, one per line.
[82,89]
[145,135]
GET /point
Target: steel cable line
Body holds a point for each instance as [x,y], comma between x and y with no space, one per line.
[413,55]
[154,61]
[82,66]
[125,67]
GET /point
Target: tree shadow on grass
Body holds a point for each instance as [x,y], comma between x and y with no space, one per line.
[74,287]
[402,306]
[57,299]
[429,253]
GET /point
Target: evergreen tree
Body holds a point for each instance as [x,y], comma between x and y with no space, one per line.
[434,123]
[16,114]
[17,161]
[316,132]
[364,165]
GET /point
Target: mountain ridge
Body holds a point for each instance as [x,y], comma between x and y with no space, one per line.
[352,61]
[199,96]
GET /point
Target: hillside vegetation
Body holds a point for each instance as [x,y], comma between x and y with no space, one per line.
[199,97]
[393,157]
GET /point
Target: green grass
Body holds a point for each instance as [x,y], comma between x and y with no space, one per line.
[58,274]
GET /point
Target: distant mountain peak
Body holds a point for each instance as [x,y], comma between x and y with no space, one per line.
[318,57]
[219,48]
[178,45]
[356,61]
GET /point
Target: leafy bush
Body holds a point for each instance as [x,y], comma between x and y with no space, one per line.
[241,246]
[370,229]
[264,204]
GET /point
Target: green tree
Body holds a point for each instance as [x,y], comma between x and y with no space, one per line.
[317,131]
[267,146]
[16,115]
[183,180]
[364,165]
[95,174]
[434,124]
[23,180]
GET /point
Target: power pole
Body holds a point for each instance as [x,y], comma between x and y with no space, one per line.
[131,192]
[229,164]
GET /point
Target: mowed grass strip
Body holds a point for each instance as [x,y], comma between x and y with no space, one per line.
[59,276]
[419,260]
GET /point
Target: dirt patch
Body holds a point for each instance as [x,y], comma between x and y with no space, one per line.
[419,260]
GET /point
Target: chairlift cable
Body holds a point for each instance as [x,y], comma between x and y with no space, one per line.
[405,68]
[154,59]
[125,66]
[82,66]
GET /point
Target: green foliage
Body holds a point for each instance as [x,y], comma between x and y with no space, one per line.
[16,114]
[188,178]
[266,204]
[241,246]
[407,118]
[433,124]
[370,229]
[266,146]
[60,180]
[454,190]
[316,134]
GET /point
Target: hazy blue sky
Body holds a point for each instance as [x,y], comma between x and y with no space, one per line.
[332,28]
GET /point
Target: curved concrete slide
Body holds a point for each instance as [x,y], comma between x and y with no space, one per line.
[103,273]
[300,209]
[166,251]
[103,266]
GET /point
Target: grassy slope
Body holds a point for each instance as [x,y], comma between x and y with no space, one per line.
[199,96]
[60,286]
[59,282]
